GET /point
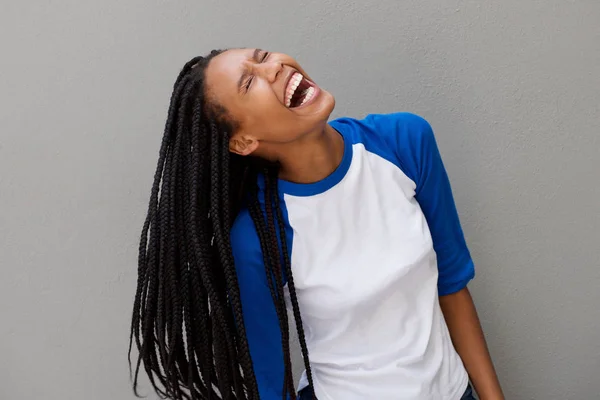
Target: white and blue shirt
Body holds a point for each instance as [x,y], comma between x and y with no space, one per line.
[372,246]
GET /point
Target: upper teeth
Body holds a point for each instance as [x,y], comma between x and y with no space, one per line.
[292,86]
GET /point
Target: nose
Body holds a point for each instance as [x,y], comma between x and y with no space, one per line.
[268,70]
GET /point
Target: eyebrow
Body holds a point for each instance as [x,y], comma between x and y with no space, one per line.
[245,74]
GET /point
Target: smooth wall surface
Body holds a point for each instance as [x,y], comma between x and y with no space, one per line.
[512,89]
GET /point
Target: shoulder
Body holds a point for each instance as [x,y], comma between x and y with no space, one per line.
[394,127]
[399,135]
[242,226]
[405,121]
[402,138]
[245,244]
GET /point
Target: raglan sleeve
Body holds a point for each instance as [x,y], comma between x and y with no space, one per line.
[434,195]
[260,318]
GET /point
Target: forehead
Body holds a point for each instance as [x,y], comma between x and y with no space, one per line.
[224,71]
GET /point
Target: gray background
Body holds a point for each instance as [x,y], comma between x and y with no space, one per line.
[512,89]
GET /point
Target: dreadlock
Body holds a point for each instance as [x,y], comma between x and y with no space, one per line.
[187,321]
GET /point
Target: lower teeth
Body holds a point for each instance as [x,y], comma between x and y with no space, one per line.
[308,93]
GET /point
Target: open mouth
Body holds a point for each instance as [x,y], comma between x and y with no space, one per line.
[299,91]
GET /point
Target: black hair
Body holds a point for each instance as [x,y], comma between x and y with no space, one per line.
[187,321]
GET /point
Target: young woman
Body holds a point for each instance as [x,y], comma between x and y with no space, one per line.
[260,206]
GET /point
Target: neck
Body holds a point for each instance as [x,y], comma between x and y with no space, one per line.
[313,158]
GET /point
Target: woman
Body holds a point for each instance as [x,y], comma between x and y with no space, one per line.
[259,205]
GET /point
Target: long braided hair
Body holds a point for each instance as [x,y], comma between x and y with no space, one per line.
[187,321]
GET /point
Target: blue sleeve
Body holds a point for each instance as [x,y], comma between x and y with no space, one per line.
[260,317]
[420,158]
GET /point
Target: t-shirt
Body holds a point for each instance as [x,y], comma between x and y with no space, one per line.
[372,246]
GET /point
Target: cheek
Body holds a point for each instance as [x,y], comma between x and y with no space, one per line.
[267,107]
[263,118]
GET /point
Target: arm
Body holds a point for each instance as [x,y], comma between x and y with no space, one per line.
[467,336]
[455,265]
[260,317]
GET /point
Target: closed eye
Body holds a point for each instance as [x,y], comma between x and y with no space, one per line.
[261,58]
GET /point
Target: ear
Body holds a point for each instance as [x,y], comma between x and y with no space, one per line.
[243,145]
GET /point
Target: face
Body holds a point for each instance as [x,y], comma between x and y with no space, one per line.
[269,95]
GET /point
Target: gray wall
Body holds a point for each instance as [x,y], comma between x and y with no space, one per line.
[512,89]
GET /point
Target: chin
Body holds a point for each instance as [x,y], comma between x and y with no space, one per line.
[327,105]
[331,100]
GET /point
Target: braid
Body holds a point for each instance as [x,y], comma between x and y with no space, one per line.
[292,290]
[143,260]
[221,242]
[187,322]
[182,323]
[271,196]
[275,283]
